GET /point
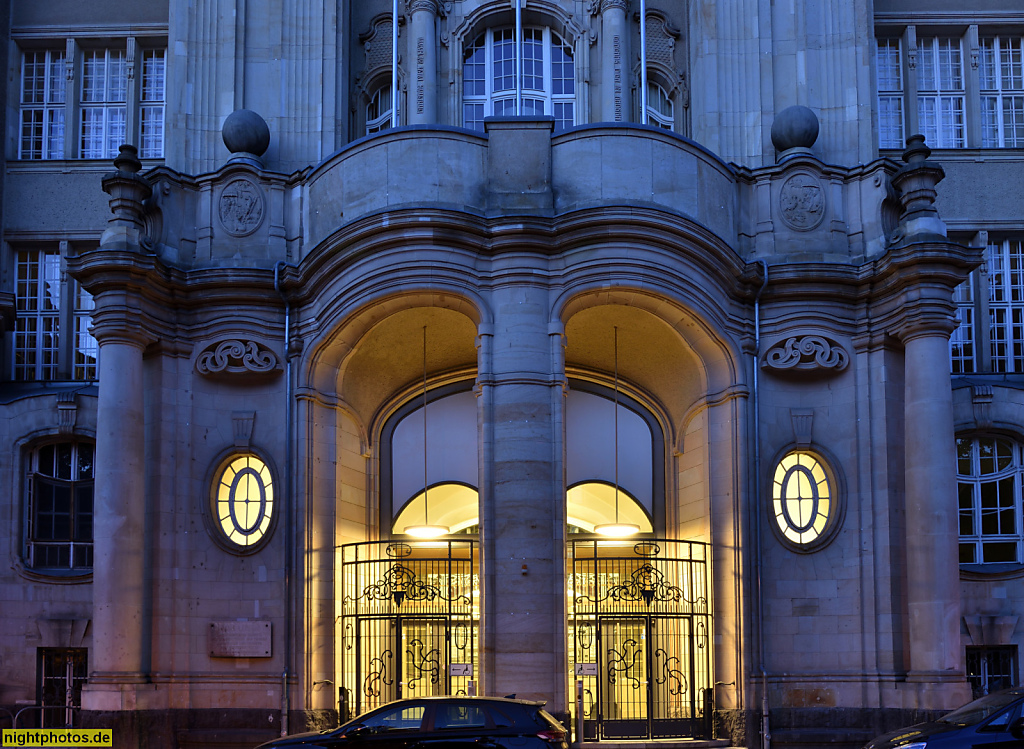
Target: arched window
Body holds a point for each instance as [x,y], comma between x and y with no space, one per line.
[548,77]
[803,500]
[660,109]
[242,501]
[378,110]
[989,490]
[60,507]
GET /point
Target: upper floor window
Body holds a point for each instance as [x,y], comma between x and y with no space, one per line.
[990,313]
[378,110]
[1001,73]
[114,95]
[988,481]
[940,92]
[42,104]
[547,77]
[53,314]
[660,109]
[958,105]
[60,507]
[890,94]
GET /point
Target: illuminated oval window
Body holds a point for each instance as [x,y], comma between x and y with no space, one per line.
[803,499]
[244,500]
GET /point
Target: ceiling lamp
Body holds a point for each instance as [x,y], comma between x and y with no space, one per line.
[617,529]
[426,530]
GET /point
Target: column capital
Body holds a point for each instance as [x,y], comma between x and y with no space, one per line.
[934,319]
[606,5]
[428,6]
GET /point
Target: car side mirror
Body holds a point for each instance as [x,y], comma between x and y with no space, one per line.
[1017,728]
[356,731]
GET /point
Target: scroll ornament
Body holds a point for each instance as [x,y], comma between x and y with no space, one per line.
[234,358]
[806,354]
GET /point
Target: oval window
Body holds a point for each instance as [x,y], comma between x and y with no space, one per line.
[244,500]
[802,499]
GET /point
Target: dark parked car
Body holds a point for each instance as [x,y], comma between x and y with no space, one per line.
[994,722]
[441,723]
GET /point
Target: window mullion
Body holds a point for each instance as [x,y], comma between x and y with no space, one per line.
[972,90]
[72,63]
[131,115]
[910,81]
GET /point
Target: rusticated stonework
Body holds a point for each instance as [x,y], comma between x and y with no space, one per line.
[236,359]
[808,353]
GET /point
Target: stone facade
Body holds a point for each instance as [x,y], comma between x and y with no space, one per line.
[756,282]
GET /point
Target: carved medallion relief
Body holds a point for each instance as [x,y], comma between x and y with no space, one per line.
[240,208]
[802,202]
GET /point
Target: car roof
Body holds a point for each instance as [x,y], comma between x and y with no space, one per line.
[478,698]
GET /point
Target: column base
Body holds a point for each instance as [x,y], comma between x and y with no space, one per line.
[114,692]
[934,690]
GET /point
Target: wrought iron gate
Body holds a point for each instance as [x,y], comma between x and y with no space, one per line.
[640,624]
[409,621]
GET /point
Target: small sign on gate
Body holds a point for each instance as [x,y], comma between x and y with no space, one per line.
[460,669]
[585,669]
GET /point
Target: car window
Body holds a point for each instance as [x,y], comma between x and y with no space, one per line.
[975,712]
[499,718]
[447,717]
[403,718]
[1002,721]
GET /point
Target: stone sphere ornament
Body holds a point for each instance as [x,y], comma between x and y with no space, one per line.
[245,131]
[794,127]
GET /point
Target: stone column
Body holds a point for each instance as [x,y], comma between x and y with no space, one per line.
[932,535]
[615,36]
[119,632]
[523,503]
[423,50]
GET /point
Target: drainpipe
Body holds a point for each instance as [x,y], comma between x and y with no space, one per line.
[765,732]
[289,530]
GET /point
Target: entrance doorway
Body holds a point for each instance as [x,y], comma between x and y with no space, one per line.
[409,622]
[640,623]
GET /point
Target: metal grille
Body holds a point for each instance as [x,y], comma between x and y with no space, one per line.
[62,672]
[640,623]
[410,614]
[991,669]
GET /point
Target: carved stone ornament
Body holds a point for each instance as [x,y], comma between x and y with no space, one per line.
[235,359]
[802,202]
[240,208]
[806,354]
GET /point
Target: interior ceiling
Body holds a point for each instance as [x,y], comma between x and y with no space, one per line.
[389,357]
[651,354]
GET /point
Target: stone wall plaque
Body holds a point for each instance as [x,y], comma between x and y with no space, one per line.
[234,639]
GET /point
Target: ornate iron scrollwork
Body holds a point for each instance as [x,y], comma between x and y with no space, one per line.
[425,662]
[399,584]
[624,663]
[377,675]
[669,673]
[647,583]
